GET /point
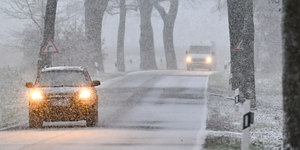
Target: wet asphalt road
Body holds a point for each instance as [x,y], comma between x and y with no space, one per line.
[158,110]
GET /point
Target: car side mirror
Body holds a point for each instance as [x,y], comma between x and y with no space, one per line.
[186,52]
[96,83]
[29,84]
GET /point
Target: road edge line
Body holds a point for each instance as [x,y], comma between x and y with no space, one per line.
[12,126]
[201,134]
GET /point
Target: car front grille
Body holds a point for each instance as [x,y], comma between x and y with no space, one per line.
[198,60]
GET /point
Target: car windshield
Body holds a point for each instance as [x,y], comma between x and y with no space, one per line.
[200,50]
[61,79]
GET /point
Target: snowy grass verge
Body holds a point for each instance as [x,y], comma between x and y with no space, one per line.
[225,118]
[107,76]
[12,97]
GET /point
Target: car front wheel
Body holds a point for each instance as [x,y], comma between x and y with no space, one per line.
[35,120]
[92,118]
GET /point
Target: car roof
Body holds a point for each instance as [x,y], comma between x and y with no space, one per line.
[61,68]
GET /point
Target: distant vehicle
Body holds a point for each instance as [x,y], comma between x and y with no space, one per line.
[200,56]
[63,94]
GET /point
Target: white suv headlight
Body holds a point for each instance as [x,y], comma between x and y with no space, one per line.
[208,60]
[188,59]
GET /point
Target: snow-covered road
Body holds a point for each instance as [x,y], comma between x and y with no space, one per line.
[142,110]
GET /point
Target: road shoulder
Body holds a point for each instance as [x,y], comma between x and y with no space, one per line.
[224,119]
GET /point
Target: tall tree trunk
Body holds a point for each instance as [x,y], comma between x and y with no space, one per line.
[94,11]
[49,30]
[241,28]
[169,45]
[247,88]
[236,25]
[169,21]
[291,70]
[121,37]
[147,52]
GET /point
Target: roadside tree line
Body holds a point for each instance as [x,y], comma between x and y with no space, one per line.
[61,25]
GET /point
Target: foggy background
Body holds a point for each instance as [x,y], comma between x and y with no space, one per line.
[196,23]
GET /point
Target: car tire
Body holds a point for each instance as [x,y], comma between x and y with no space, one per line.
[96,113]
[35,120]
[92,118]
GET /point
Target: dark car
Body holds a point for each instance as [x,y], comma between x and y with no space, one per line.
[63,94]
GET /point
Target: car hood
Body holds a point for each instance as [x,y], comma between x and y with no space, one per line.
[199,55]
[61,90]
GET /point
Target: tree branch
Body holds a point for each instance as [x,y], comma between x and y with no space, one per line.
[173,9]
[160,10]
[32,18]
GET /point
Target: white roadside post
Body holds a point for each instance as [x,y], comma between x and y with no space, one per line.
[248,118]
[230,85]
[237,96]
[246,132]
[236,102]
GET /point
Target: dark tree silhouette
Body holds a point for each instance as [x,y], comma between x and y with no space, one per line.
[121,37]
[49,30]
[169,22]
[94,11]
[291,70]
[147,52]
[241,27]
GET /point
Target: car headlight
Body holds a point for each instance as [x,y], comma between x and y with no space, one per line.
[36,96]
[85,94]
[208,60]
[188,59]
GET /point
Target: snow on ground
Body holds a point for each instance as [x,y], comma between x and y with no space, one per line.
[225,119]
[12,96]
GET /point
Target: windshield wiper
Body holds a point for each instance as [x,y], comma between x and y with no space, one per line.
[63,86]
[58,86]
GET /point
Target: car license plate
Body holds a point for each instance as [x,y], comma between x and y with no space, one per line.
[60,103]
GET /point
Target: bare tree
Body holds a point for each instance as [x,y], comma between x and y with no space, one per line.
[122,7]
[241,28]
[29,10]
[34,10]
[169,22]
[147,52]
[291,78]
[121,37]
[236,25]
[268,37]
[94,11]
[49,30]
[247,67]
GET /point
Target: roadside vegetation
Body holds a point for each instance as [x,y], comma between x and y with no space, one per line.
[224,119]
[12,97]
